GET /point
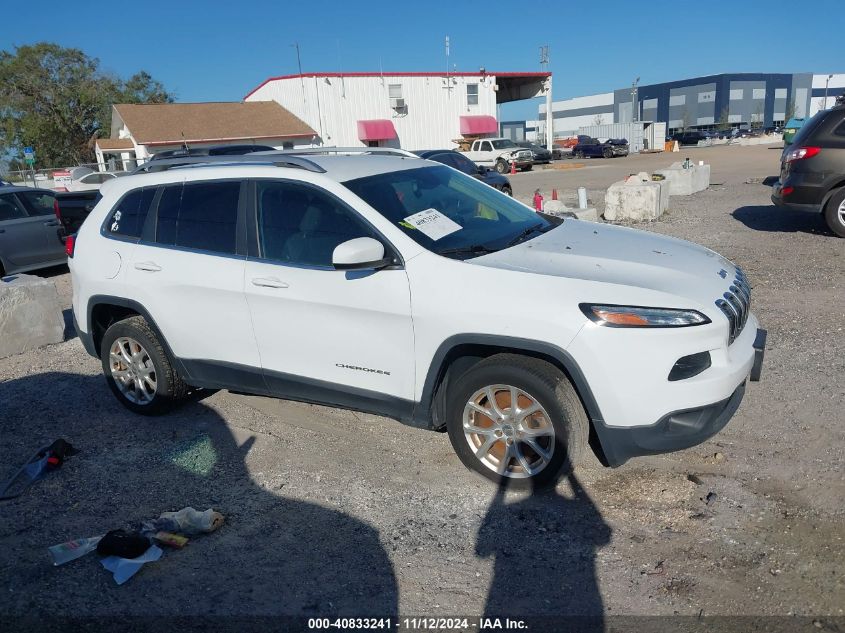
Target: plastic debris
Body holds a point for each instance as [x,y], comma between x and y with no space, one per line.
[189,521]
[66,552]
[124,568]
[45,459]
[170,539]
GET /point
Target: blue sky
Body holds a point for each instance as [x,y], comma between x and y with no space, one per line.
[218,51]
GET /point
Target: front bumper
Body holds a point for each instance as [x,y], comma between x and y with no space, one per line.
[673,432]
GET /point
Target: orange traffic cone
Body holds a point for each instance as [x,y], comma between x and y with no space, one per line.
[554,194]
[513,167]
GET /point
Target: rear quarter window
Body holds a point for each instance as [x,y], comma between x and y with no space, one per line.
[128,216]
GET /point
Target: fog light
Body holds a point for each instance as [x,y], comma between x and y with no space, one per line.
[689,366]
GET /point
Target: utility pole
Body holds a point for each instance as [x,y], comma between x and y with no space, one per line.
[544,66]
[634,113]
[826,83]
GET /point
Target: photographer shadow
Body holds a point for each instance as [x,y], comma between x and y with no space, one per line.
[544,546]
[274,557]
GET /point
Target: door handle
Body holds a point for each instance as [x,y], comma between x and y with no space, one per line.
[268,282]
[51,223]
[150,267]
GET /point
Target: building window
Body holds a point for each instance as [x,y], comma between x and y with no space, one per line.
[394,91]
[472,94]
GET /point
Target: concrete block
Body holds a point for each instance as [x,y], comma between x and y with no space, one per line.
[554,207]
[636,199]
[589,214]
[685,182]
[30,315]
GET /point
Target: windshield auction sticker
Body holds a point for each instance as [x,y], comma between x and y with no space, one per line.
[433,224]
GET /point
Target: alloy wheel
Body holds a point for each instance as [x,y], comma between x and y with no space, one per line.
[132,370]
[509,431]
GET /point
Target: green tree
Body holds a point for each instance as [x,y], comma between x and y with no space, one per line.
[724,121]
[790,110]
[59,101]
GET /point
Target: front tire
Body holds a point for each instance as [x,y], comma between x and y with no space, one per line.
[506,189]
[529,445]
[834,213]
[138,370]
[501,167]
[607,153]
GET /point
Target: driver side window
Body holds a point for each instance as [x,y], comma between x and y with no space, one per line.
[301,225]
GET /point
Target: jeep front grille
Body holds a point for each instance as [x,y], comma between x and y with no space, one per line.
[736,304]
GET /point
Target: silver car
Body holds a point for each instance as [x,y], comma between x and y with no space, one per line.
[30,232]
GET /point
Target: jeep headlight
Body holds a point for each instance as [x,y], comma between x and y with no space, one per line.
[639,316]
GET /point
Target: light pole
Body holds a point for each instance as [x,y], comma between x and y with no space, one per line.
[826,83]
[634,113]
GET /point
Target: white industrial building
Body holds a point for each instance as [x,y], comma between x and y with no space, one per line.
[419,110]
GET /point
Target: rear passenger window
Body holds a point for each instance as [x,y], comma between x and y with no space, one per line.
[199,215]
[39,203]
[129,215]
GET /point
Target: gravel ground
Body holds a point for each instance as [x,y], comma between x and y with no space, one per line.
[333,512]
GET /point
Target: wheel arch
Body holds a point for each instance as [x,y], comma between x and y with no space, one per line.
[104,310]
[460,352]
[834,189]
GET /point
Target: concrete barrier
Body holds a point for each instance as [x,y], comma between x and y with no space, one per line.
[636,199]
[685,182]
[559,209]
[30,315]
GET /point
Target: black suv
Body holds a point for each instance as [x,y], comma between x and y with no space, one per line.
[812,169]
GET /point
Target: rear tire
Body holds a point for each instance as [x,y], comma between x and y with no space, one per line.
[511,447]
[579,154]
[834,213]
[138,370]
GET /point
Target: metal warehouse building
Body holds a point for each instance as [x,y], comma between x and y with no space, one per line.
[738,100]
[420,110]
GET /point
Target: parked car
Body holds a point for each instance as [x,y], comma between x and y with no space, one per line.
[73,207]
[389,274]
[620,146]
[589,147]
[464,164]
[791,129]
[558,152]
[216,150]
[689,137]
[90,181]
[812,171]
[540,154]
[499,153]
[29,231]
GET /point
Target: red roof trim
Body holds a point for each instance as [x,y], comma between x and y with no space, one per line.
[537,75]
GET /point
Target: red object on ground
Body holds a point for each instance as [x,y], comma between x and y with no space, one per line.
[554,194]
[513,167]
[538,201]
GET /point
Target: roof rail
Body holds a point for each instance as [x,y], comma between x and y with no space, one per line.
[395,151]
[271,159]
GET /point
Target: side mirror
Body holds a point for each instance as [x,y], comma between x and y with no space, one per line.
[481,170]
[359,254]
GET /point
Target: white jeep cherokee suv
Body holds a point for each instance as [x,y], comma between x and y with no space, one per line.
[398,286]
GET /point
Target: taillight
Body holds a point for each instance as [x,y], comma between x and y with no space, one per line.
[802,153]
[70,244]
[56,209]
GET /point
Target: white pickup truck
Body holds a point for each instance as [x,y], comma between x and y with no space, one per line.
[499,153]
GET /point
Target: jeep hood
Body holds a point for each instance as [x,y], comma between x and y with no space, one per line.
[587,251]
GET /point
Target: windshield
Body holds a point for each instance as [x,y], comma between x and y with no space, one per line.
[448,212]
[504,144]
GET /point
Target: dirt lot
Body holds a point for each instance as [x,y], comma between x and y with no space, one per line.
[332,512]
